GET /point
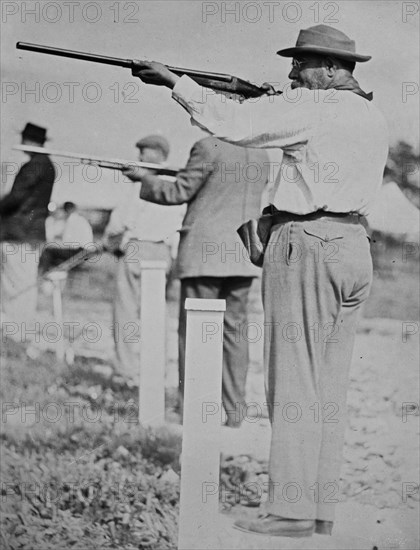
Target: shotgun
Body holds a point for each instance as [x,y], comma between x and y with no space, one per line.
[77,259]
[112,164]
[216,81]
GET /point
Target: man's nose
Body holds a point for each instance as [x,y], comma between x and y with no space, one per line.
[294,73]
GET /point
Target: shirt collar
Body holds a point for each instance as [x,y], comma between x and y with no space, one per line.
[348,82]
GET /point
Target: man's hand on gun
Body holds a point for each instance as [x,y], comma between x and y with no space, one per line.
[149,71]
[135,173]
[269,89]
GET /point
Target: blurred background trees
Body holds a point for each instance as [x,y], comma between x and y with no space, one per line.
[404,163]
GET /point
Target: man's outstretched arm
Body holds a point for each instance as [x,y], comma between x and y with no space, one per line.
[188,182]
[266,122]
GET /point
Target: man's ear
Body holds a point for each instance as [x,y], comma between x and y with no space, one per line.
[330,66]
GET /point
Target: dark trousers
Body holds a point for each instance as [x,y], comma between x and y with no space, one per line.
[235,291]
[53,256]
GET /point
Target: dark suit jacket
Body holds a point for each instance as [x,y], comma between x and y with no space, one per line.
[222,184]
[24,210]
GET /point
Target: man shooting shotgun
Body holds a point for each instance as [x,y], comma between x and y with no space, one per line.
[317,268]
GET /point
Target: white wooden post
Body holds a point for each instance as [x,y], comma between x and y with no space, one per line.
[200,461]
[152,343]
[56,277]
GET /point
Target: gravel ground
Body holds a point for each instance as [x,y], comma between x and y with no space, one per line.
[380,473]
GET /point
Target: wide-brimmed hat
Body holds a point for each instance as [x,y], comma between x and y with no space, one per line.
[34,133]
[325,40]
[154,142]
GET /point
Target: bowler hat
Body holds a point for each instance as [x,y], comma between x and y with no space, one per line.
[34,133]
[154,142]
[325,40]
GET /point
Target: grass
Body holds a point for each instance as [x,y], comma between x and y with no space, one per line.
[395,290]
[78,469]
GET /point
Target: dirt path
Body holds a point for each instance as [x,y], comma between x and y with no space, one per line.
[380,473]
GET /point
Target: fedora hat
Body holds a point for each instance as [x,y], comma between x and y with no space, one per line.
[325,40]
[34,133]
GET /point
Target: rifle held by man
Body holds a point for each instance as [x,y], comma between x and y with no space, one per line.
[216,81]
[112,164]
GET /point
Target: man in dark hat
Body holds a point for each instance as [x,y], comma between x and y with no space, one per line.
[23,213]
[317,267]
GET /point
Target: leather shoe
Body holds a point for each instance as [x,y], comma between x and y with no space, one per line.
[276,526]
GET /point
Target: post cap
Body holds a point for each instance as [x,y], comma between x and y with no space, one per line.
[56,275]
[152,264]
[201,304]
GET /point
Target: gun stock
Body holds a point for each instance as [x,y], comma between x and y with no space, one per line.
[216,81]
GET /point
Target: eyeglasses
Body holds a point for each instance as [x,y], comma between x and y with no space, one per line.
[298,64]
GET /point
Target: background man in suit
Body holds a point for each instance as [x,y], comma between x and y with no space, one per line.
[23,213]
[222,185]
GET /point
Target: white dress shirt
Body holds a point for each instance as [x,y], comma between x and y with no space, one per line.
[142,220]
[77,231]
[335,142]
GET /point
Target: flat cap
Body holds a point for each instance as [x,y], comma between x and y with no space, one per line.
[154,142]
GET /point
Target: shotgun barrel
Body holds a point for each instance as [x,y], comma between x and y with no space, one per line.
[84,56]
[112,164]
[216,81]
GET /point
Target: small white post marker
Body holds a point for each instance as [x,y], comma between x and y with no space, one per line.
[200,462]
[152,343]
[58,278]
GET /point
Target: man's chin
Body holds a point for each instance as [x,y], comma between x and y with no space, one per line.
[296,84]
